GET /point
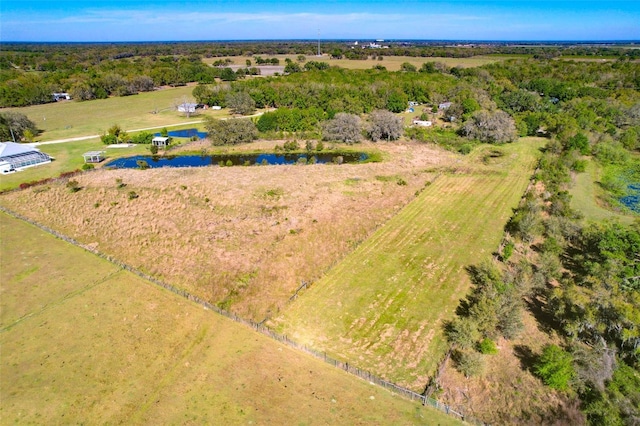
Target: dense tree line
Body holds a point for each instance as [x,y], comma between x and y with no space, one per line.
[30,73]
[580,277]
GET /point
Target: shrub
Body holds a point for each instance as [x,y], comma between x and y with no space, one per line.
[291,146]
[73,186]
[555,367]
[153,149]
[87,166]
[507,251]
[487,347]
[462,332]
[142,165]
[469,363]
[132,195]
[142,138]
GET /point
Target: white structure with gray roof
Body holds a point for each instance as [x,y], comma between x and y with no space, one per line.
[15,157]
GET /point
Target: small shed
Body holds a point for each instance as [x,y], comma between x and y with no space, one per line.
[93,156]
[160,141]
[444,105]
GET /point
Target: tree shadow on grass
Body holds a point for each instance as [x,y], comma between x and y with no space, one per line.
[537,306]
[526,356]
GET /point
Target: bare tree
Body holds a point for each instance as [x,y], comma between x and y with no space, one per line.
[343,127]
[384,125]
[230,132]
[491,127]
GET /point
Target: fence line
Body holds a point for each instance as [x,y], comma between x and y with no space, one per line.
[260,327]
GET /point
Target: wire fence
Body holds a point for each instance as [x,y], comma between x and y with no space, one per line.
[261,328]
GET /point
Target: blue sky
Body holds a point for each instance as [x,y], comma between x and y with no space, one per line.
[146,20]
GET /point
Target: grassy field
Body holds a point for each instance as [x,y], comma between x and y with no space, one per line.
[241,237]
[584,197]
[84,342]
[382,308]
[73,119]
[392,63]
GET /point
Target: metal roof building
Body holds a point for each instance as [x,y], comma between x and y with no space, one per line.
[21,156]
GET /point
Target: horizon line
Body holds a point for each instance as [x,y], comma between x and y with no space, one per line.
[390,40]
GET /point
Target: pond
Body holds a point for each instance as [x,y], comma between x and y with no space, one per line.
[185,133]
[235,160]
[632,199]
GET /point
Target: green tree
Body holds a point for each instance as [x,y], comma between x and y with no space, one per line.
[241,103]
[555,367]
[16,126]
[397,101]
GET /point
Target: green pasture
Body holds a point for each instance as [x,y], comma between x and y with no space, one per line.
[383,307]
[84,342]
[62,120]
[392,63]
[585,192]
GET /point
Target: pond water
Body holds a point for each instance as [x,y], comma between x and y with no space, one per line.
[632,199]
[236,160]
[185,133]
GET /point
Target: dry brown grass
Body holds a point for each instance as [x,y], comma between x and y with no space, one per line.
[241,237]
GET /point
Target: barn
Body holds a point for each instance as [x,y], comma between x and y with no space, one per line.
[21,156]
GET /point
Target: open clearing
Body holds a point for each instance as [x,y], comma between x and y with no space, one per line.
[392,63]
[240,237]
[383,307]
[584,197]
[84,342]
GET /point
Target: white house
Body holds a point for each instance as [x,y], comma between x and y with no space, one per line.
[20,156]
[160,141]
[422,123]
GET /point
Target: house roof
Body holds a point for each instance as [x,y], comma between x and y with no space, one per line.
[160,138]
[11,148]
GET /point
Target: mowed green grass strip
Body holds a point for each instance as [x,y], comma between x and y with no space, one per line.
[84,342]
[383,307]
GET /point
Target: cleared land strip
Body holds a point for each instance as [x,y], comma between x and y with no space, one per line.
[383,307]
[122,351]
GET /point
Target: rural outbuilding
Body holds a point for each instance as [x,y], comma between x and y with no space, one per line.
[187,107]
[160,141]
[93,156]
[21,156]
